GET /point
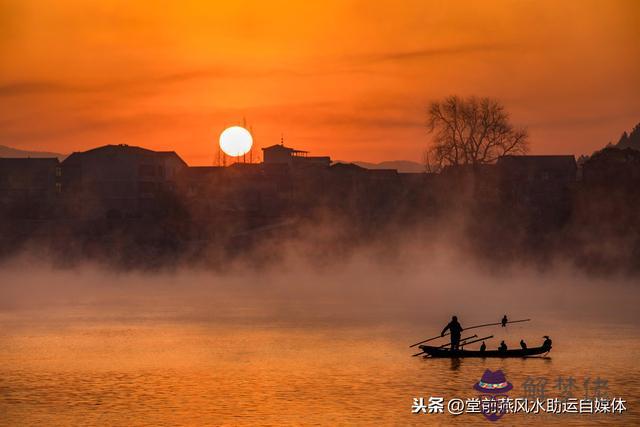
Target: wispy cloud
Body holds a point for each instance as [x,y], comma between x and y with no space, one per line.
[95,121]
[428,53]
[364,121]
[582,121]
[30,87]
[353,64]
[141,84]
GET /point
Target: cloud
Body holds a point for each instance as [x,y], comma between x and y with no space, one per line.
[30,87]
[98,121]
[428,53]
[354,64]
[365,120]
[54,128]
[41,87]
[581,121]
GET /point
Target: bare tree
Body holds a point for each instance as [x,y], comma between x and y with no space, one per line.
[471,131]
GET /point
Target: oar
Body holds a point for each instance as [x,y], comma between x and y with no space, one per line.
[479,339]
[466,329]
[460,343]
[447,344]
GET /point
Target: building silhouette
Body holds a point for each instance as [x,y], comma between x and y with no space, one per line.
[119,181]
[280,154]
[29,187]
[122,181]
[538,187]
[154,203]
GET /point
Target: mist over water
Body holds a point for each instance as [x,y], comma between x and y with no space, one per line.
[303,330]
[387,281]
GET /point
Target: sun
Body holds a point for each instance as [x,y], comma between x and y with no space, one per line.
[235,141]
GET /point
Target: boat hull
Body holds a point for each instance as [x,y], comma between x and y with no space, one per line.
[447,353]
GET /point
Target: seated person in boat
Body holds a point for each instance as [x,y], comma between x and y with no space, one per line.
[456,329]
[483,347]
[523,344]
[503,347]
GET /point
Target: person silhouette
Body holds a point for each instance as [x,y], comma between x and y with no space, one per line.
[504,321]
[547,343]
[503,346]
[523,344]
[483,347]
[455,329]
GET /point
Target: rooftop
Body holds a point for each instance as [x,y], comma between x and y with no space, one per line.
[281,147]
[113,149]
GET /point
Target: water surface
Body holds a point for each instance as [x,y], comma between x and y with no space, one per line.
[94,370]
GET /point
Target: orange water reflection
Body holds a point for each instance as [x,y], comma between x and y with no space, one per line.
[153,373]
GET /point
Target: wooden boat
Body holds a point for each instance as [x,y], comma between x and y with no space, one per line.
[445,352]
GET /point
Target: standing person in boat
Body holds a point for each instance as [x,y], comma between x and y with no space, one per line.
[504,321]
[503,347]
[483,347]
[456,329]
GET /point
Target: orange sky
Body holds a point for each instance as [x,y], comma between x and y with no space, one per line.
[351,79]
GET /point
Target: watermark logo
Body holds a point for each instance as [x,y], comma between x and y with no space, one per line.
[493,388]
[493,402]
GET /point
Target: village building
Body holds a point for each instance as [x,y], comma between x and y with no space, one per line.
[612,166]
[541,186]
[119,181]
[280,154]
[29,187]
[122,181]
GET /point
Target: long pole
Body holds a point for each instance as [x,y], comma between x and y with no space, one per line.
[466,329]
[462,342]
[478,340]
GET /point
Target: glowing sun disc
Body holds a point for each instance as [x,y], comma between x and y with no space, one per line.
[235,141]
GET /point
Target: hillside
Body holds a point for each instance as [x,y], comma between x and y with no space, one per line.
[14,152]
[631,140]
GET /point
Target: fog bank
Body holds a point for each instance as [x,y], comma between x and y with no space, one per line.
[306,282]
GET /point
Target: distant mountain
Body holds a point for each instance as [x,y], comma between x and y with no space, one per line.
[405,166]
[14,152]
[631,140]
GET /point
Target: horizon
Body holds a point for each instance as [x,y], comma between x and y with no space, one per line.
[237,159]
[177,76]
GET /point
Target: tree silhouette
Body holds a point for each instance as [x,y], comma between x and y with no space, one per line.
[471,131]
[630,140]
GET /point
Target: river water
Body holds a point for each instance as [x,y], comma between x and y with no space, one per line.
[106,372]
[137,356]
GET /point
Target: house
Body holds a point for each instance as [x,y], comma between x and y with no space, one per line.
[559,170]
[612,167]
[198,180]
[538,185]
[466,182]
[119,181]
[29,187]
[280,154]
[536,176]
